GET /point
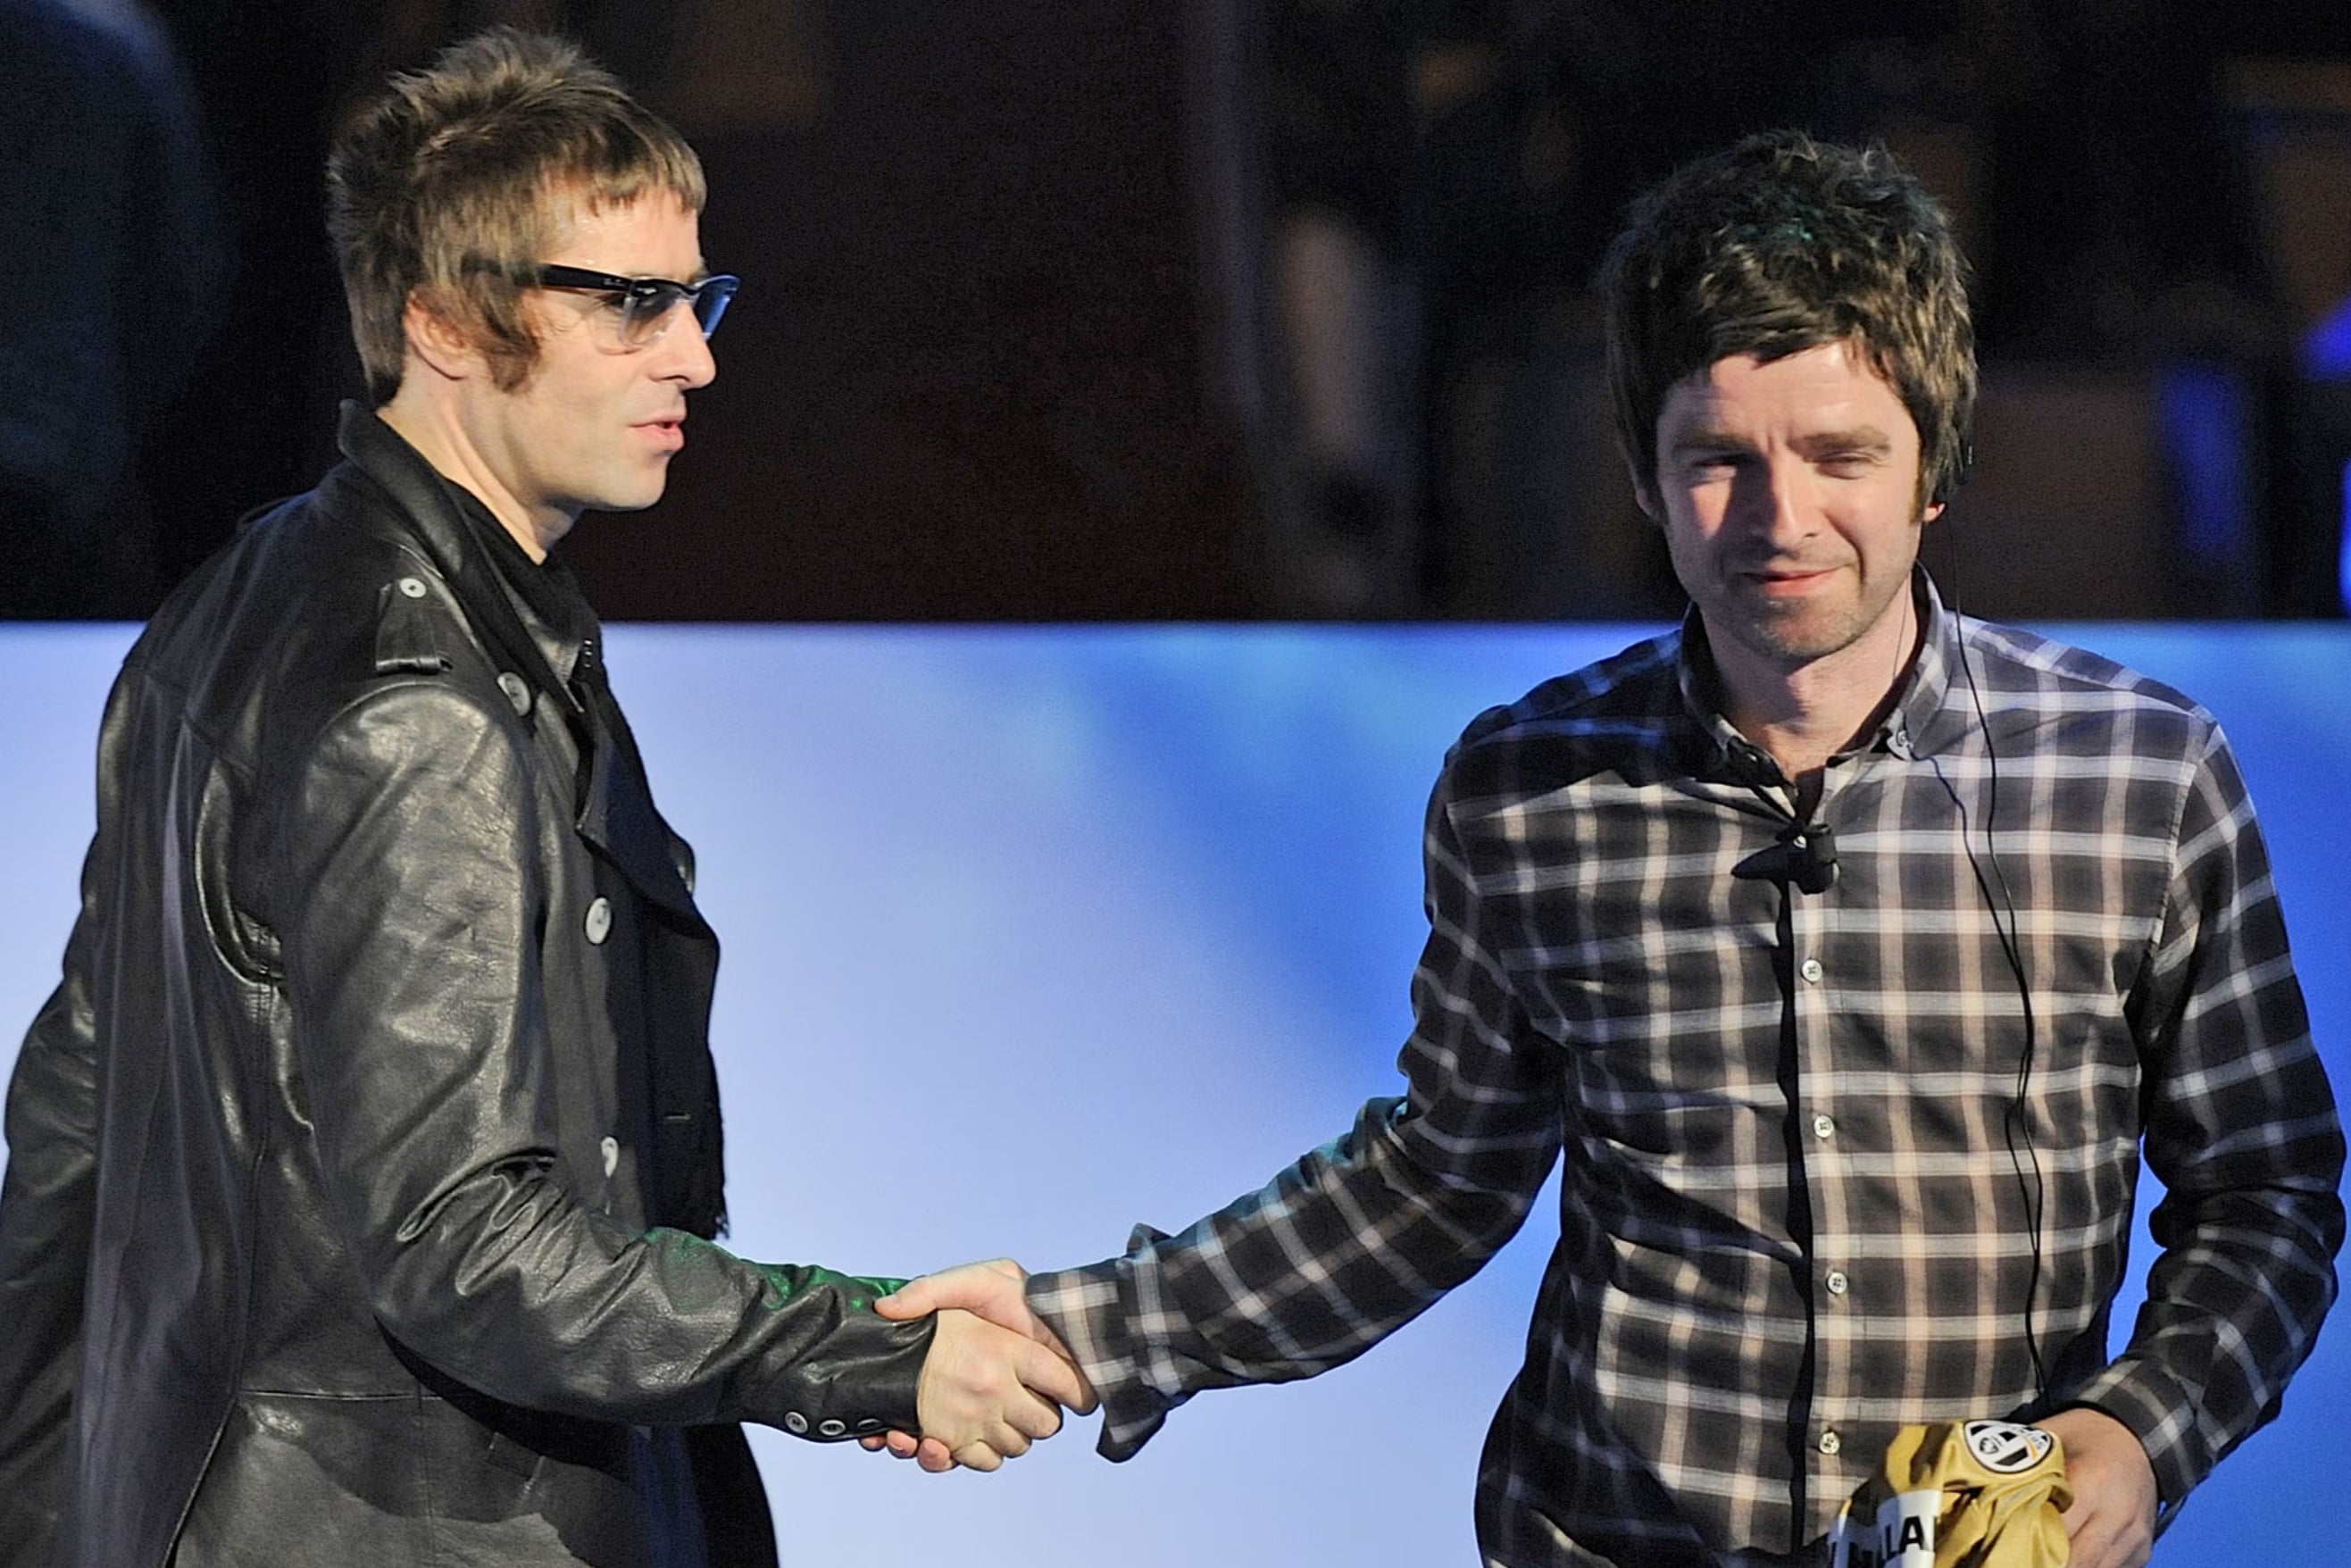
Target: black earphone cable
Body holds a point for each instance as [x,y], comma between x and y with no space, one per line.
[2016,1125]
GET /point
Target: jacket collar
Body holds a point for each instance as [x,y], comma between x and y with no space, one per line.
[615,812]
[436,514]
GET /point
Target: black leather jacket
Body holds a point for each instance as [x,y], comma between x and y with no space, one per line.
[356,1167]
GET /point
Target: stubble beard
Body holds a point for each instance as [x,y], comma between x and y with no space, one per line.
[1792,635]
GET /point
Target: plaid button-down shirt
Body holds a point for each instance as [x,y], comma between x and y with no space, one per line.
[1806,1133]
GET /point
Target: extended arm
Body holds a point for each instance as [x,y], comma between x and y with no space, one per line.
[1359,1237]
[414,920]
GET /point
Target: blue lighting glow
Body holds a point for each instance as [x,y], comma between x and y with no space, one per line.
[2327,352]
[2206,412]
[1035,932]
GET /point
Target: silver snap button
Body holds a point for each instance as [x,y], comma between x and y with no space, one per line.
[600,921]
[796,1424]
[612,1148]
[1837,1282]
[1830,1442]
[1811,970]
[870,1424]
[1823,1126]
[831,1429]
[518,691]
[413,586]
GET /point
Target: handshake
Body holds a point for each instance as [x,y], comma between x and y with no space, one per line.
[997,1377]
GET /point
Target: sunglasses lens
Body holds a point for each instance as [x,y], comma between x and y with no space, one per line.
[710,302]
[648,307]
[647,312]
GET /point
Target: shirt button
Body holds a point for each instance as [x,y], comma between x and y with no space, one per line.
[1830,1442]
[611,1156]
[600,921]
[795,1422]
[1837,1282]
[1811,970]
[1825,1126]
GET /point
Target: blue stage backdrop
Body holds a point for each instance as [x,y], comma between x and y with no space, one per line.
[1036,932]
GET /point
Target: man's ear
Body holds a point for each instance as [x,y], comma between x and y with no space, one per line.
[441,345]
[1645,496]
[1934,509]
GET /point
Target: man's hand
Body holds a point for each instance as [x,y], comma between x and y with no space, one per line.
[993,1292]
[986,1392]
[2111,1522]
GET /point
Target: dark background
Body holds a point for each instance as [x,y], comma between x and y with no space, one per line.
[1044,303]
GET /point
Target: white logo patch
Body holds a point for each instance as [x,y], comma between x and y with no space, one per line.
[2006,1447]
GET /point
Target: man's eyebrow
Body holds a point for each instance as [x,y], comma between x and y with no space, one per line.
[1705,438]
[1865,439]
[1861,438]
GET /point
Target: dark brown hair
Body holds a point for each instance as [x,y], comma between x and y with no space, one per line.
[1781,244]
[454,184]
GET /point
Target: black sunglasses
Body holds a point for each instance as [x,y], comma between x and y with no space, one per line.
[647,303]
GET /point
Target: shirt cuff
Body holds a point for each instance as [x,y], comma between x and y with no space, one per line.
[2151,1405]
[1085,1306]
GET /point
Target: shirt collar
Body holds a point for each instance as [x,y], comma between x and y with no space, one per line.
[1908,729]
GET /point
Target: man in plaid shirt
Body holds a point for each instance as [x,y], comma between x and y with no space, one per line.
[1848,947]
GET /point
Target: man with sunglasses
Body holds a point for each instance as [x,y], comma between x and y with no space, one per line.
[363,1169]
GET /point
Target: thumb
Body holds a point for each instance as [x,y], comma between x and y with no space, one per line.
[916,1299]
[991,1290]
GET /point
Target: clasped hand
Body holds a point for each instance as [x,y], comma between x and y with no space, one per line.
[997,1377]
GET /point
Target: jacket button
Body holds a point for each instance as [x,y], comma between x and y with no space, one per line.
[412,587]
[832,1428]
[611,1156]
[796,1424]
[518,691]
[600,921]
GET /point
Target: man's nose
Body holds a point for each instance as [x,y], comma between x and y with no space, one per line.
[685,353]
[1775,499]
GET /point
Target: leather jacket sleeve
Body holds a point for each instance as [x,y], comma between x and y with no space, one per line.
[48,1204]
[411,906]
[46,1209]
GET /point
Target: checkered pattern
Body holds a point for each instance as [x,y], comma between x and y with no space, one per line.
[1791,1220]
